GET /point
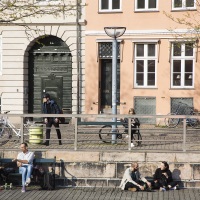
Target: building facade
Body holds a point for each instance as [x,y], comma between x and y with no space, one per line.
[158,63]
[43,54]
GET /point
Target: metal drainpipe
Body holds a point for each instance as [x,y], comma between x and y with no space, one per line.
[78,56]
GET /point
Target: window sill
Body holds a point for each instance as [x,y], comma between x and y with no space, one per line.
[182,88]
[145,88]
[110,12]
[183,9]
[143,11]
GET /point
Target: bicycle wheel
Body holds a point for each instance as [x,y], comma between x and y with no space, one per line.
[137,138]
[5,132]
[194,123]
[171,122]
[105,134]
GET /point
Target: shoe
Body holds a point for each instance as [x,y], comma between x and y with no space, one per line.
[46,143]
[173,188]
[23,189]
[28,181]
[132,145]
[132,189]
[162,189]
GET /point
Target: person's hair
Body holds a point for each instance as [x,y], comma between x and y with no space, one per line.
[131,110]
[134,164]
[25,144]
[166,165]
[47,95]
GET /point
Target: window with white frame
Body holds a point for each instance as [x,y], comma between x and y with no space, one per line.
[109,5]
[145,64]
[183,4]
[182,65]
[146,5]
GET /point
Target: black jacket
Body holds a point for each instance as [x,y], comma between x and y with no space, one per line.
[54,109]
[159,175]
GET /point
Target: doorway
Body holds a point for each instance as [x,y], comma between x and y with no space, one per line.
[106,85]
[50,71]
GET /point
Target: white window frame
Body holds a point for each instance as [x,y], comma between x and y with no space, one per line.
[182,58]
[145,58]
[183,6]
[110,7]
[146,9]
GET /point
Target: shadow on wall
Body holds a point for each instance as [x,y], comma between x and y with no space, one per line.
[73,181]
[176,175]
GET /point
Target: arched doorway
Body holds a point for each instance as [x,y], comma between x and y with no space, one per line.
[50,70]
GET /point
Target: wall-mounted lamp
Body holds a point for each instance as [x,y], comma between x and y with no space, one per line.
[96,103]
[178,77]
[123,103]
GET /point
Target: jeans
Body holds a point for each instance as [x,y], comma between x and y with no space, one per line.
[26,171]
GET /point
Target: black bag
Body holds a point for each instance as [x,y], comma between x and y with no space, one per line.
[47,181]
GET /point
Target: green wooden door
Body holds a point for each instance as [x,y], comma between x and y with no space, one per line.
[50,71]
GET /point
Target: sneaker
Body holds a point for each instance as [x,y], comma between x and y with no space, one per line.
[28,181]
[173,188]
[162,189]
[23,189]
[132,189]
[132,145]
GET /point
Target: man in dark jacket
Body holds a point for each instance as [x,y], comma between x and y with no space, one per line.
[50,107]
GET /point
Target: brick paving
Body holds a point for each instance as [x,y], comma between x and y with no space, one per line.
[97,194]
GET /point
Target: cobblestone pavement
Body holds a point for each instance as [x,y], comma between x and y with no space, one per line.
[153,139]
[98,194]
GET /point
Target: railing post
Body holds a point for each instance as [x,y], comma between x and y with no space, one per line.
[76,134]
[184,134]
[22,129]
[129,134]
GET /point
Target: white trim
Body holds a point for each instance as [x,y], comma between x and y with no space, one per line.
[106,40]
[184,6]
[145,41]
[144,32]
[110,7]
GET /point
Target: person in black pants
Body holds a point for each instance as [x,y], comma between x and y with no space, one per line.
[135,123]
[51,107]
[163,178]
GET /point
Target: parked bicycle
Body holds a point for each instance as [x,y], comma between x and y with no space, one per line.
[182,109]
[7,128]
[105,133]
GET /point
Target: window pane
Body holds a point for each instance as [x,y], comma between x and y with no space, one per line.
[151,79]
[189,3]
[140,66]
[176,79]
[151,65]
[151,49]
[177,49]
[140,50]
[104,4]
[189,49]
[188,79]
[115,4]
[140,4]
[140,79]
[176,66]
[177,3]
[189,66]
[152,3]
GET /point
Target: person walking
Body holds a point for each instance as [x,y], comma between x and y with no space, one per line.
[51,107]
[25,163]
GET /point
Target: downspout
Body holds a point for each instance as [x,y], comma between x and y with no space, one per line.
[78,56]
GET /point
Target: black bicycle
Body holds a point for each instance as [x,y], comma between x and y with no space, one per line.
[182,109]
[105,133]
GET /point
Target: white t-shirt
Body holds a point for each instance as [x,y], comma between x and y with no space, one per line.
[29,156]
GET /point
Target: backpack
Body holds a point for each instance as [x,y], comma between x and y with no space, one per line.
[47,181]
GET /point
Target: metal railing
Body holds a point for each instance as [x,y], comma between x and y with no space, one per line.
[154,137]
